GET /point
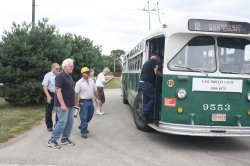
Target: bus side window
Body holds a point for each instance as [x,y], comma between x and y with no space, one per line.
[246,64]
[141,56]
[130,64]
[138,67]
[247,54]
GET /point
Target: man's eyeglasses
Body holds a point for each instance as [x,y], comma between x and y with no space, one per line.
[57,68]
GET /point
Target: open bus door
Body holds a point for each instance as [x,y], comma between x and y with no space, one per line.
[155,44]
[158,45]
[158,97]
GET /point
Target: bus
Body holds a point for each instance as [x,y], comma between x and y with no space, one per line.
[205,87]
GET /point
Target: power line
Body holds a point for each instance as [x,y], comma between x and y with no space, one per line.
[155,9]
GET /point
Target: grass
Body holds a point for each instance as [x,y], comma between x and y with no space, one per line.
[115,83]
[16,120]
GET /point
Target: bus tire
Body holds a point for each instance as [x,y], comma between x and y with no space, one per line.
[125,101]
[137,112]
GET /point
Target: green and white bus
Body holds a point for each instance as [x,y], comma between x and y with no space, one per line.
[205,87]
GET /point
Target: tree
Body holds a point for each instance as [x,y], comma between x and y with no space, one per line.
[107,61]
[115,54]
[26,54]
[84,53]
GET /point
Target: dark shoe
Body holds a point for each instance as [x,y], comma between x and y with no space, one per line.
[84,135]
[53,145]
[50,129]
[67,142]
[79,127]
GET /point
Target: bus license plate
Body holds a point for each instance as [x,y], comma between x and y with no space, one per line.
[218,117]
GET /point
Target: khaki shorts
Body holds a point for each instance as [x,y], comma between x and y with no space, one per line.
[101,94]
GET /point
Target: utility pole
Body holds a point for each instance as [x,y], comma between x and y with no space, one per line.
[148,16]
[33,12]
[158,13]
[153,10]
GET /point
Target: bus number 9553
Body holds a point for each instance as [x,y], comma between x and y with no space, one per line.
[218,107]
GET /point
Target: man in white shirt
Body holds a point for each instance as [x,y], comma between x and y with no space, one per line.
[100,82]
[49,90]
[85,91]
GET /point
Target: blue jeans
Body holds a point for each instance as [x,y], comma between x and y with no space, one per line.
[148,91]
[86,114]
[64,124]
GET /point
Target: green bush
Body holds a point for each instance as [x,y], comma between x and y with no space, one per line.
[26,54]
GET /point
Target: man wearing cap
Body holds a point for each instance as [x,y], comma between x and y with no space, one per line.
[85,91]
[147,83]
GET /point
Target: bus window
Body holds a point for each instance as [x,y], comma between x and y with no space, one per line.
[247,53]
[234,55]
[197,54]
[141,56]
[156,44]
[130,64]
[138,64]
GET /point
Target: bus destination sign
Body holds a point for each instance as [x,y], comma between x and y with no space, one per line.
[218,26]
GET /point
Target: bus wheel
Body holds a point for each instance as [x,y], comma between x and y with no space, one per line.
[137,113]
[125,101]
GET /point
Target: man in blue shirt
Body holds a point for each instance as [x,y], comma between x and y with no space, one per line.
[64,103]
[49,90]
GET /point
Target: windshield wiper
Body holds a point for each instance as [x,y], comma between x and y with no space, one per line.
[244,73]
[231,72]
[192,69]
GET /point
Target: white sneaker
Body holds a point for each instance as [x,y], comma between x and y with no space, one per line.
[99,112]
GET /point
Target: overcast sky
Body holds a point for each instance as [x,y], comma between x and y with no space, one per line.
[113,24]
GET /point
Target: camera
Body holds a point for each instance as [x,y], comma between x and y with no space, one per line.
[76,111]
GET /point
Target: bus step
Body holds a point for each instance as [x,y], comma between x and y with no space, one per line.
[152,125]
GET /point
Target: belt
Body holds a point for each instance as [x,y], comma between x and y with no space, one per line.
[86,99]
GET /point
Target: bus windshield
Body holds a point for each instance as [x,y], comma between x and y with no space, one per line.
[234,55]
[197,55]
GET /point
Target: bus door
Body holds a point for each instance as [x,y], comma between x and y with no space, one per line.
[157,44]
[158,96]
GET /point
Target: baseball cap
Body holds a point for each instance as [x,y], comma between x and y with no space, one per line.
[85,70]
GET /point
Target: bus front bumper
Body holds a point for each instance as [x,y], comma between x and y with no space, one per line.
[199,130]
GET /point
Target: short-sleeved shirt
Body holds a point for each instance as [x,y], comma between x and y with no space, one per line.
[85,90]
[49,81]
[147,73]
[100,79]
[66,83]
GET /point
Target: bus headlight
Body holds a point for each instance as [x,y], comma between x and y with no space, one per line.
[248,96]
[182,93]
